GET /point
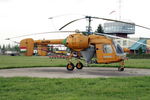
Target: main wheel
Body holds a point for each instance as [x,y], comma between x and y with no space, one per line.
[121,69]
[79,65]
[70,67]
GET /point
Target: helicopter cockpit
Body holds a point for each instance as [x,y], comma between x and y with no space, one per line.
[119,50]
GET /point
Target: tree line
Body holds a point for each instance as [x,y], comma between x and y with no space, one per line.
[8,47]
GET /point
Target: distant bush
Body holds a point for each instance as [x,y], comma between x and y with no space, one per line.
[139,56]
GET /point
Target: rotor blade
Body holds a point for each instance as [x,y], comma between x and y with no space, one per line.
[121,22]
[12,41]
[112,36]
[67,14]
[70,23]
[57,16]
[39,33]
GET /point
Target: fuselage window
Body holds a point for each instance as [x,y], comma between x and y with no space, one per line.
[107,48]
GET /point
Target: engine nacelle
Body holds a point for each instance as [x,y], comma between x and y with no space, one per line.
[77,42]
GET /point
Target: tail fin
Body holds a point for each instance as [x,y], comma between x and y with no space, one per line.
[27,46]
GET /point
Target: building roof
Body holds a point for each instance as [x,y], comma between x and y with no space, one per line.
[137,45]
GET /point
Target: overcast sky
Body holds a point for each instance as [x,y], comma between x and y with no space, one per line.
[20,17]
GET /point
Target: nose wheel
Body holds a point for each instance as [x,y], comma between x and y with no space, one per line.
[121,69]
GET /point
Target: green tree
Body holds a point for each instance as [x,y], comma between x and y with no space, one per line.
[100,29]
[8,47]
[140,51]
[16,48]
[3,49]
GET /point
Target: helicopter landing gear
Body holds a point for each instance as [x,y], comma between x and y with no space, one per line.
[79,65]
[122,66]
[70,66]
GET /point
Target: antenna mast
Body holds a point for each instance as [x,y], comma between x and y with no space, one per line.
[119,3]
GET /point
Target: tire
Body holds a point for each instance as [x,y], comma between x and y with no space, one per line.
[121,69]
[70,67]
[79,65]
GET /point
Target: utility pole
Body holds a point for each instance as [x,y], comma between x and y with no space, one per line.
[88,28]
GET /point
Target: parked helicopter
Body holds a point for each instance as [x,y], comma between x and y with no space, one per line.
[86,45]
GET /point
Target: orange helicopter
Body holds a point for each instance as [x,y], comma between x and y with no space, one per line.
[86,45]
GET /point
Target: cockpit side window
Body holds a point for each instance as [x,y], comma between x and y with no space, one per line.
[119,50]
